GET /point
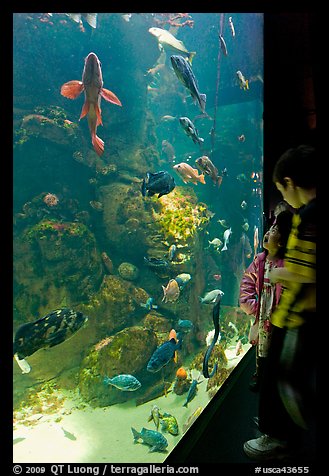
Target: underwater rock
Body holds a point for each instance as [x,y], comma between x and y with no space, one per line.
[157,323]
[55,263]
[56,131]
[114,304]
[126,220]
[217,381]
[181,385]
[128,271]
[126,352]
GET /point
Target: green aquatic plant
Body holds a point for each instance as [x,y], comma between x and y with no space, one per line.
[180,216]
[20,136]
[56,113]
[45,228]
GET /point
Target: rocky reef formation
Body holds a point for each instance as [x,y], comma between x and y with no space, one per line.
[115,305]
[55,263]
[82,227]
[126,352]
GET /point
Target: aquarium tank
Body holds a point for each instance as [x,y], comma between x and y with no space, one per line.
[138,167]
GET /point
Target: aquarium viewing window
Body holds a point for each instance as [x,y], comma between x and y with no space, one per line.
[138,205]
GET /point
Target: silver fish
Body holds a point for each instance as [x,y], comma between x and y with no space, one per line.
[190,130]
[211,296]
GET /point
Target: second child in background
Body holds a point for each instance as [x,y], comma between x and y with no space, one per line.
[258,297]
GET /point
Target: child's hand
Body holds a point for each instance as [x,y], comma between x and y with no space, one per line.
[274,275]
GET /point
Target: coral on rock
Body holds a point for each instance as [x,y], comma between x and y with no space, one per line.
[128,271]
[181,216]
[54,262]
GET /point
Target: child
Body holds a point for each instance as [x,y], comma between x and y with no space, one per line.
[287,404]
[258,297]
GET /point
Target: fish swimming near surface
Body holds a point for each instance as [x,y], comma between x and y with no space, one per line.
[230,22]
[206,166]
[163,355]
[190,130]
[160,182]
[91,18]
[48,331]
[223,45]
[125,382]
[186,76]
[211,296]
[169,423]
[188,173]
[167,41]
[92,85]
[243,82]
[152,438]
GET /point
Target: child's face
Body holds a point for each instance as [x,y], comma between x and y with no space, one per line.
[289,193]
[271,240]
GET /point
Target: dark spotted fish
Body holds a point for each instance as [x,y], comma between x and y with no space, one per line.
[48,331]
[160,182]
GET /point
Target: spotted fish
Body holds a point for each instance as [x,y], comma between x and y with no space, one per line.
[152,438]
[48,331]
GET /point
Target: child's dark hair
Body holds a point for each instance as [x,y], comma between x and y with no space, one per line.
[299,164]
[283,222]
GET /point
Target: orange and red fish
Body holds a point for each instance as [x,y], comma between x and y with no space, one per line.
[92,85]
[188,173]
[173,335]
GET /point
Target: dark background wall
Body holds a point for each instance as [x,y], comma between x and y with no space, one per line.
[290,88]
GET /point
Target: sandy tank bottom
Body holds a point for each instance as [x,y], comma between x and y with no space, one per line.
[78,433]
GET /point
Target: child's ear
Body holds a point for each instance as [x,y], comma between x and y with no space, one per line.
[288,181]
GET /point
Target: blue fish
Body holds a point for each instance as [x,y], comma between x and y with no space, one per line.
[153,438]
[185,324]
[125,382]
[191,392]
[162,355]
[149,304]
[160,182]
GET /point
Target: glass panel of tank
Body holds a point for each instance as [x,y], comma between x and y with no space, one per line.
[137,207]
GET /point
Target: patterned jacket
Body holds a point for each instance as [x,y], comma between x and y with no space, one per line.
[252,284]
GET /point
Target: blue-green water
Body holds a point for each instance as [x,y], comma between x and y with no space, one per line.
[86,249]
